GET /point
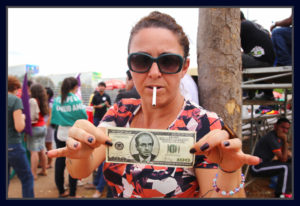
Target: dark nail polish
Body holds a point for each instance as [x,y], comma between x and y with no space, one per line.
[204,147]
[192,151]
[46,153]
[109,143]
[75,144]
[226,144]
[90,139]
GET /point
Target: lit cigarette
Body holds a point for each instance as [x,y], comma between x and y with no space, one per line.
[154,97]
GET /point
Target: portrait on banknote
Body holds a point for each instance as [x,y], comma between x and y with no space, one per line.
[151,146]
[144,147]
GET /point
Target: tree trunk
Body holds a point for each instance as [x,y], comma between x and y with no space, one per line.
[220,64]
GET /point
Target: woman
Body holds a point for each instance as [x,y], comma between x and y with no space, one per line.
[36,143]
[159,38]
[17,158]
[50,129]
[67,108]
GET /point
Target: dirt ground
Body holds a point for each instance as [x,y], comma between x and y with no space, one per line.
[44,187]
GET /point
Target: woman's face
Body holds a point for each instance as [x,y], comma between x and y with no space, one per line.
[155,42]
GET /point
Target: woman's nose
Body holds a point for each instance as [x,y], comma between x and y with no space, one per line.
[154,71]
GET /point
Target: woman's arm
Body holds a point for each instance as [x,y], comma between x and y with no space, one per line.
[85,148]
[19,120]
[227,153]
[225,181]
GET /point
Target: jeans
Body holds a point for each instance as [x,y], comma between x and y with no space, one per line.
[96,121]
[17,159]
[282,41]
[99,180]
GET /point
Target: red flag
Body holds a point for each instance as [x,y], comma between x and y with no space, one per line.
[26,110]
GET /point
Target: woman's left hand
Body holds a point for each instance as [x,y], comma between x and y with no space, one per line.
[227,153]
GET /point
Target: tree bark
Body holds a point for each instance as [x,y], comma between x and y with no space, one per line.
[220,64]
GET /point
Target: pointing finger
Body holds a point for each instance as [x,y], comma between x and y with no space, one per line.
[61,152]
[251,160]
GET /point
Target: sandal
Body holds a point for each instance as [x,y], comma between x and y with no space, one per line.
[65,194]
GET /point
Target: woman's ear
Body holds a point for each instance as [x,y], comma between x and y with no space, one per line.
[185,66]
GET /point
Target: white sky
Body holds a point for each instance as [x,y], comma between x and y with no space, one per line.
[67,40]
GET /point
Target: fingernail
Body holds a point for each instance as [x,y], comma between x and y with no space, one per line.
[204,147]
[46,152]
[226,143]
[193,150]
[75,144]
[90,139]
[109,143]
[260,160]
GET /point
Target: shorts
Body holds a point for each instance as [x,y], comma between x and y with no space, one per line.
[50,134]
[36,142]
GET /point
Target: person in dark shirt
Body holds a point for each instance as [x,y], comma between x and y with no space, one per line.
[101,102]
[273,150]
[258,50]
[130,89]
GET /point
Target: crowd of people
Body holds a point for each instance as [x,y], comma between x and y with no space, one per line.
[158,51]
[264,49]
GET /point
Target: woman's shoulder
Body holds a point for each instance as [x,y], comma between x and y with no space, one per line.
[198,111]
[13,100]
[127,105]
[32,101]
[195,117]
[121,112]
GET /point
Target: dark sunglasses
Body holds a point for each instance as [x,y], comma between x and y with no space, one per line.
[167,63]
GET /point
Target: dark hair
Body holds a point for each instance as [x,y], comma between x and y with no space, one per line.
[13,83]
[161,20]
[242,16]
[128,75]
[49,93]
[68,84]
[102,84]
[281,120]
[39,93]
[29,83]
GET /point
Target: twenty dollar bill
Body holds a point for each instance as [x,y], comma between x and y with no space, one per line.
[150,146]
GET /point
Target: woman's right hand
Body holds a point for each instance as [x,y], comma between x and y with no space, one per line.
[83,138]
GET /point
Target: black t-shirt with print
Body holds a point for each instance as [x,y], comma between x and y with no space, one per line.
[256,40]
